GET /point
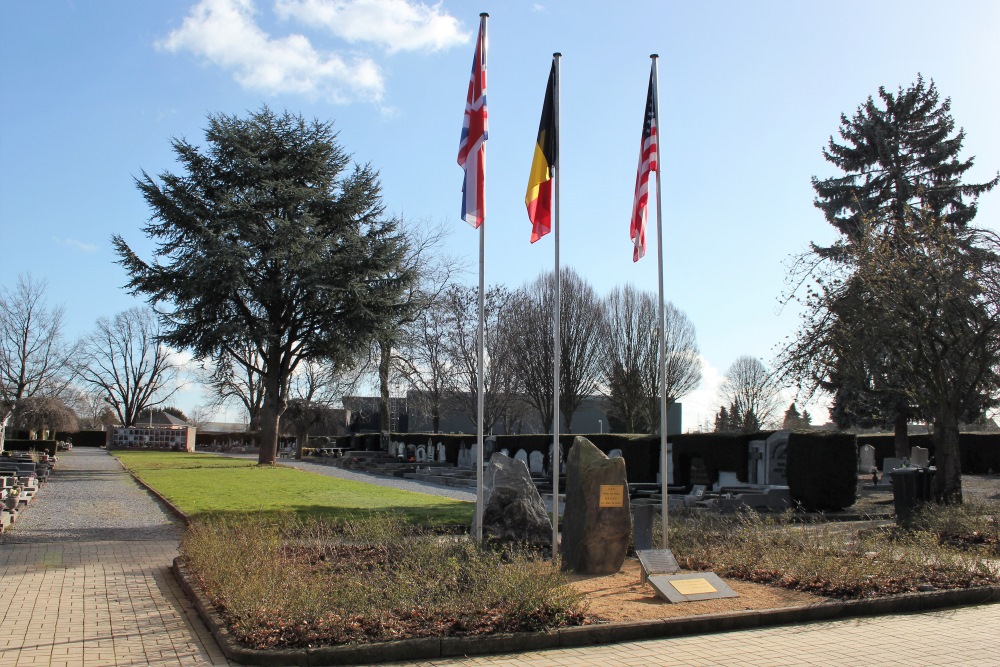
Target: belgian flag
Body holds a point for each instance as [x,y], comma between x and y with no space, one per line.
[539,196]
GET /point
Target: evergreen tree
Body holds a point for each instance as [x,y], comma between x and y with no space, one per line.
[896,158]
[899,155]
[269,241]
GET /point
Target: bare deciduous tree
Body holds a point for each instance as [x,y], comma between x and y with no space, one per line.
[235,375]
[752,393]
[499,376]
[34,359]
[424,361]
[582,326]
[630,358]
[124,360]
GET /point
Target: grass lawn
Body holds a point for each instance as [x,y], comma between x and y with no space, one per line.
[200,484]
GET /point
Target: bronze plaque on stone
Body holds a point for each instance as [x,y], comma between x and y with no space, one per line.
[693,586]
[612,495]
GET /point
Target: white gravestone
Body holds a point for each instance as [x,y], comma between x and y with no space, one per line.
[441,456]
[866,459]
[536,463]
[421,455]
[888,464]
[522,456]
[615,454]
[777,459]
[920,457]
[463,456]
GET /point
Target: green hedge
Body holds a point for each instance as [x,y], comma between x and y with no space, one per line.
[822,469]
[28,445]
[980,452]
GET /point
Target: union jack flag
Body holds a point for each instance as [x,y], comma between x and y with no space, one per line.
[647,165]
[472,146]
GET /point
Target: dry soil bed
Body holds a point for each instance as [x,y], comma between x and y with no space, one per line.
[621,597]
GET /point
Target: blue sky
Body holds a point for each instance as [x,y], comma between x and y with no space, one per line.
[749,95]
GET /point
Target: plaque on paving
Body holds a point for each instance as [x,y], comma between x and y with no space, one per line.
[692,587]
[656,561]
[612,495]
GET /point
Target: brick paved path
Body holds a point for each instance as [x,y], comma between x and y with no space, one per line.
[85,579]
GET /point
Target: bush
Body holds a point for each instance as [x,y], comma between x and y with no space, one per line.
[282,582]
[49,446]
[823,469]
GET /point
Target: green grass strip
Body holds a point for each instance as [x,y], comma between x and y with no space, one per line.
[201,484]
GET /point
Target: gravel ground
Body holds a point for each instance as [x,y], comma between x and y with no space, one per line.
[90,498]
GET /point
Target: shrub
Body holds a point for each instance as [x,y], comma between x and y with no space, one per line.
[289,582]
[822,469]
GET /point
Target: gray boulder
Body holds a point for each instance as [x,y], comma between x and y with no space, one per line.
[512,509]
[597,522]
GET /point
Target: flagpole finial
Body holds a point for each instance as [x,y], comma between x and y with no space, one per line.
[557,55]
[484,15]
[654,55]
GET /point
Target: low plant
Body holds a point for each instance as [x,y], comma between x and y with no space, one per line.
[825,558]
[293,582]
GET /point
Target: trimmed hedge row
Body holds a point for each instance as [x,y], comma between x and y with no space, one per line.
[823,469]
[980,452]
[28,445]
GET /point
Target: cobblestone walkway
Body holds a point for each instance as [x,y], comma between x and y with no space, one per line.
[85,579]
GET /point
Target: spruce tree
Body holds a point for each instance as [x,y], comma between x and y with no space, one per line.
[897,157]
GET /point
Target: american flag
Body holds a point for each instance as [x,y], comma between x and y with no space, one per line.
[647,165]
[472,146]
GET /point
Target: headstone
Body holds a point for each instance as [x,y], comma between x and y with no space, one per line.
[920,457]
[615,454]
[505,451]
[383,441]
[441,455]
[670,466]
[463,456]
[756,466]
[777,459]
[597,523]
[411,452]
[474,456]
[889,463]
[421,455]
[866,459]
[536,463]
[727,479]
[400,449]
[512,508]
[522,456]
[489,446]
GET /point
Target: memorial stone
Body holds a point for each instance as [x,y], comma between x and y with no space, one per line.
[421,455]
[522,456]
[536,463]
[597,523]
[512,508]
[441,455]
[889,464]
[920,457]
[777,459]
[866,459]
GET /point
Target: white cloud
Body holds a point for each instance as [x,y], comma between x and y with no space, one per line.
[224,33]
[538,8]
[395,25]
[76,245]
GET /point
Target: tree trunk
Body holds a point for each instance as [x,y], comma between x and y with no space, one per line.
[385,357]
[436,419]
[948,479]
[270,414]
[3,428]
[301,439]
[901,436]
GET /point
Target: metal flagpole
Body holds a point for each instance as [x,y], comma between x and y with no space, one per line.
[555,323]
[662,324]
[481,343]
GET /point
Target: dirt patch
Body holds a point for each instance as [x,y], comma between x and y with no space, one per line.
[620,597]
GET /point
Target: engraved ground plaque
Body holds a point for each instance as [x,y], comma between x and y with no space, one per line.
[657,561]
[692,587]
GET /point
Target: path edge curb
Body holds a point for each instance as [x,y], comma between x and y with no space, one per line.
[586,635]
